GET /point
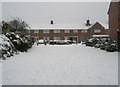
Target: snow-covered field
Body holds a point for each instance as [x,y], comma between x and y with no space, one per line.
[61,65]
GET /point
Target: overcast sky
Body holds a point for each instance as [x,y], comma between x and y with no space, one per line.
[60,12]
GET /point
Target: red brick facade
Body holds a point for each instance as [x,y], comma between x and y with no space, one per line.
[76,34]
[114,19]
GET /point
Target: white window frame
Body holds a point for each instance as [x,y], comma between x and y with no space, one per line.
[66,38]
[97,30]
[45,31]
[75,31]
[46,38]
[84,31]
[67,31]
[36,31]
[56,38]
[56,31]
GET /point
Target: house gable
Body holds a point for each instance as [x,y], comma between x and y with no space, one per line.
[97,25]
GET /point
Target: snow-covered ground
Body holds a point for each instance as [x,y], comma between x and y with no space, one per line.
[0,73]
[61,65]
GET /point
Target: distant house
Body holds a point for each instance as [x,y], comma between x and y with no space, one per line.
[114,19]
[77,32]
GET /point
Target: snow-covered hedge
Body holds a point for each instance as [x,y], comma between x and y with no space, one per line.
[12,43]
[21,43]
[102,43]
[7,49]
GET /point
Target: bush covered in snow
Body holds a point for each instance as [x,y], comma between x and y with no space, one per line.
[21,43]
[14,37]
[102,43]
[12,43]
[7,49]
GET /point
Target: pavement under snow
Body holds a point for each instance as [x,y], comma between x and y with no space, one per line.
[61,65]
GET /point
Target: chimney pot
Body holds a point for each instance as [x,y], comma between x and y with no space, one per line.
[88,23]
[51,22]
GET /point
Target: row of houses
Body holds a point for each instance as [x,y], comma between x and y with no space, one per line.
[74,32]
[82,31]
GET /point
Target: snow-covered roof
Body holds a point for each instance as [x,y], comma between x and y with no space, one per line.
[64,26]
[105,25]
[58,26]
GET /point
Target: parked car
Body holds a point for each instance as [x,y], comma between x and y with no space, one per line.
[41,41]
[51,42]
[59,42]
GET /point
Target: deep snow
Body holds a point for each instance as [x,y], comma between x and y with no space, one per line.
[61,65]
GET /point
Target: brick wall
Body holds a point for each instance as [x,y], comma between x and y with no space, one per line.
[81,34]
[114,24]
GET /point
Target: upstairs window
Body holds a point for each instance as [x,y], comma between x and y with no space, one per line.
[97,31]
[84,31]
[45,31]
[75,31]
[67,31]
[56,31]
[36,31]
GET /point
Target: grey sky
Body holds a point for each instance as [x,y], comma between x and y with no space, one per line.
[60,12]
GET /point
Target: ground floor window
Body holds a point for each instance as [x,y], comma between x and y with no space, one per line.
[56,38]
[46,38]
[72,38]
[66,38]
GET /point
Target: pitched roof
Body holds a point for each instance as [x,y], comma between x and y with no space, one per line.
[64,26]
[59,26]
[97,24]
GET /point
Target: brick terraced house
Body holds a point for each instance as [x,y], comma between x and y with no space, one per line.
[114,18]
[77,32]
[114,21]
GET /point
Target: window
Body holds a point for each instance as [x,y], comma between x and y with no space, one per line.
[75,31]
[36,31]
[56,31]
[46,38]
[66,38]
[56,38]
[97,31]
[67,31]
[84,31]
[45,31]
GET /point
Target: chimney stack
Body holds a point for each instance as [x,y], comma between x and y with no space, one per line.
[88,23]
[51,22]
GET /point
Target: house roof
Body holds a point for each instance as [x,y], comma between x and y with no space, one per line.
[64,26]
[59,26]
